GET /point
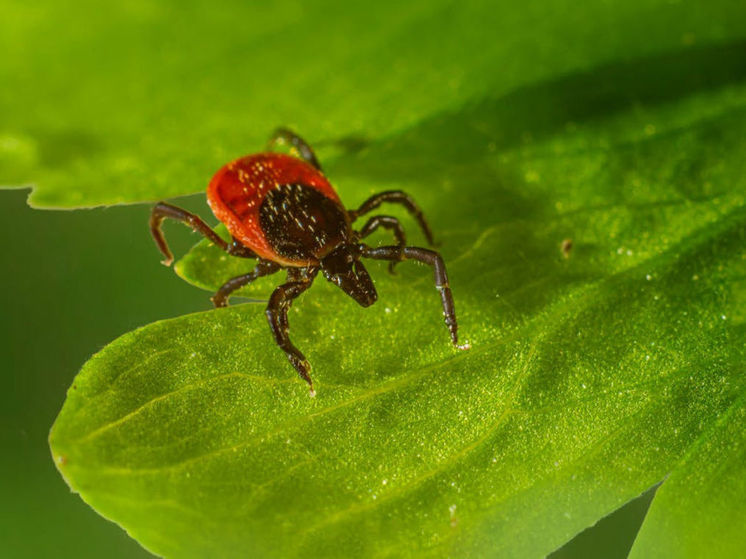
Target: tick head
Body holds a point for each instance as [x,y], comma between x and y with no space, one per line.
[343,268]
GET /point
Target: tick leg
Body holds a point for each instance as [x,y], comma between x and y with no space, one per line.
[387,222]
[433,259]
[302,275]
[163,211]
[277,310]
[263,268]
[297,145]
[396,197]
[236,248]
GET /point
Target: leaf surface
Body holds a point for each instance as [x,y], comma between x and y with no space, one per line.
[696,512]
[594,373]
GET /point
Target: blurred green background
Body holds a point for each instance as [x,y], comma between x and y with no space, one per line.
[72,282]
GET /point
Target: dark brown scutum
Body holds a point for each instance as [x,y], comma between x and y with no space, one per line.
[300,223]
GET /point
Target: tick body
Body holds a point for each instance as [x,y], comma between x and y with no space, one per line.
[282,211]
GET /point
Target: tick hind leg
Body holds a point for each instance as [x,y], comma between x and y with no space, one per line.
[163,211]
[433,259]
[296,143]
[390,223]
[263,268]
[277,316]
[396,197]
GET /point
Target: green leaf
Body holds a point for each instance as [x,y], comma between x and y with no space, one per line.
[594,373]
[146,100]
[696,512]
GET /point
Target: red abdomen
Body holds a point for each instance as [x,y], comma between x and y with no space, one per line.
[237,190]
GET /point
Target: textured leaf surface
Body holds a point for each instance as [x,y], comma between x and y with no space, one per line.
[696,512]
[593,375]
[146,100]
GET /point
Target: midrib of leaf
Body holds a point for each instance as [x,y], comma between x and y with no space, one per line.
[283,428]
[173,393]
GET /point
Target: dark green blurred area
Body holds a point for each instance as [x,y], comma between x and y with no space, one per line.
[72,282]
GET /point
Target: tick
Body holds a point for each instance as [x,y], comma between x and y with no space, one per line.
[282,211]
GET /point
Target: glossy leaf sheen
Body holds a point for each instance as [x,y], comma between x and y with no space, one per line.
[594,374]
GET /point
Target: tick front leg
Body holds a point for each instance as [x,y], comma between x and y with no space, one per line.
[433,259]
[387,222]
[263,268]
[163,211]
[277,311]
[297,145]
[396,197]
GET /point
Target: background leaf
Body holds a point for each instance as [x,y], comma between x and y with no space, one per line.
[146,100]
[517,126]
[592,377]
[702,488]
